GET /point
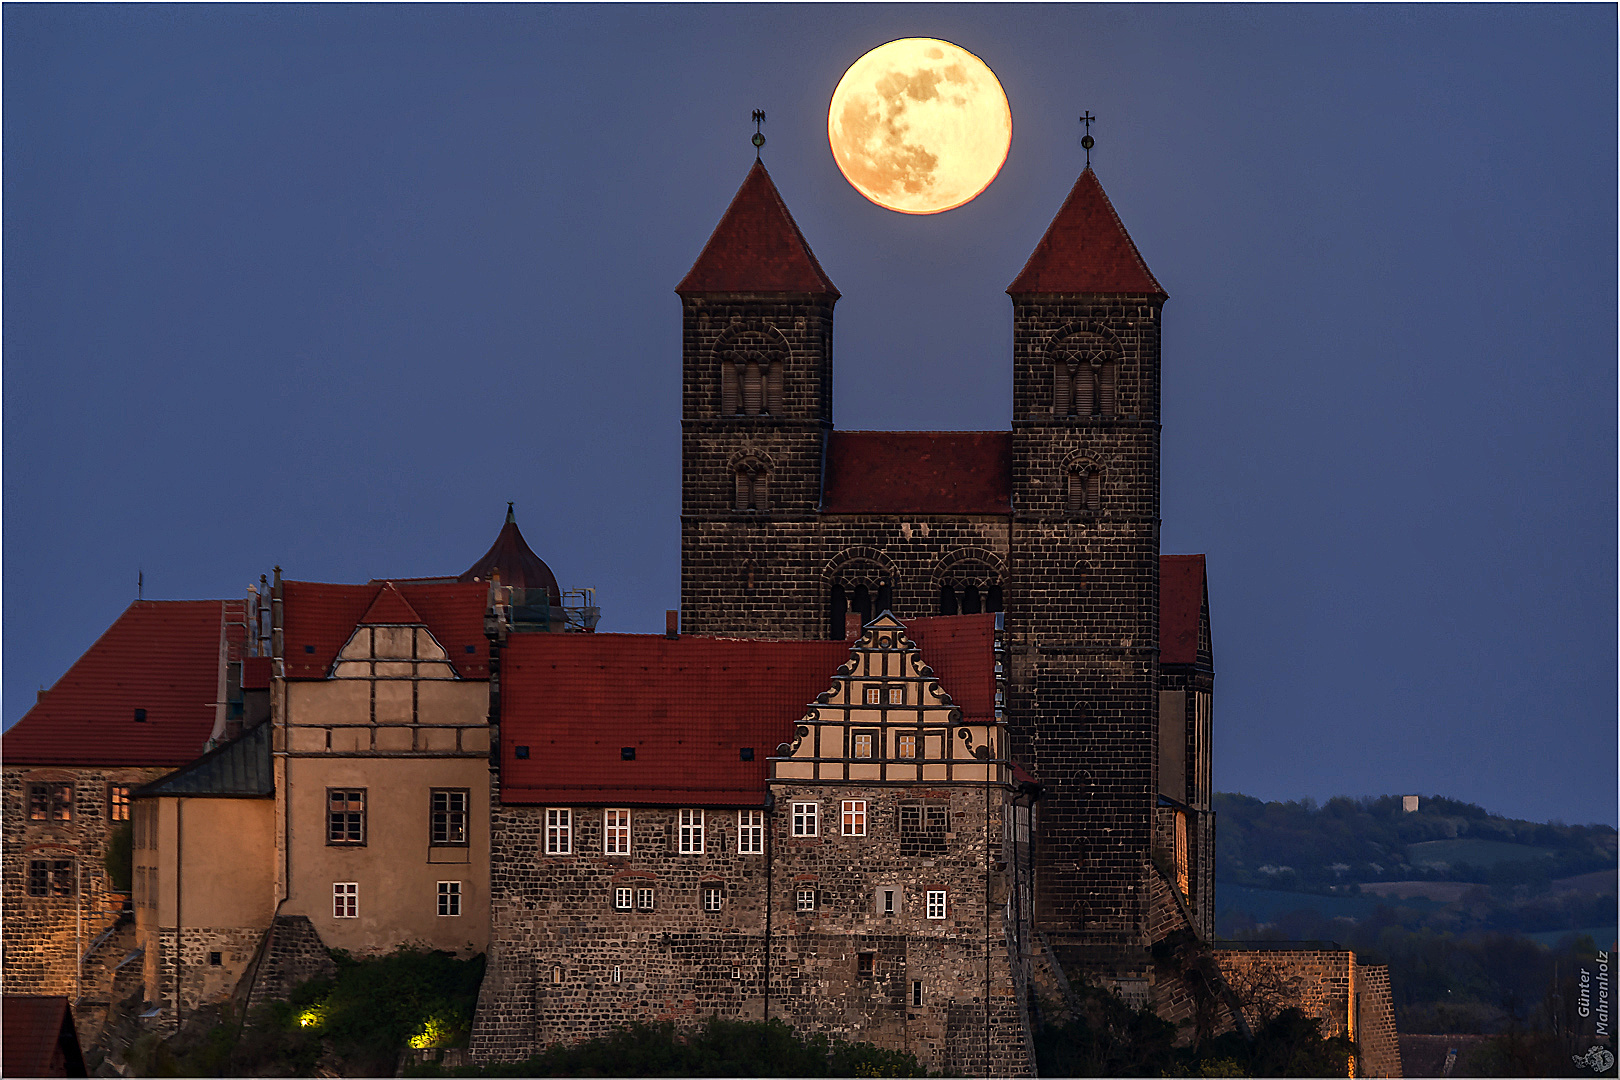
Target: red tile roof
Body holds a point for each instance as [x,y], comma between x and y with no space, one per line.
[1181,602]
[519,566]
[38,1037]
[390,608]
[918,472]
[161,656]
[1086,250]
[318,619]
[961,650]
[757,248]
[688,706]
[255,673]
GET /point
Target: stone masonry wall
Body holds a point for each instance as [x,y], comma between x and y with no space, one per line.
[1375,1024]
[565,964]
[44,936]
[293,954]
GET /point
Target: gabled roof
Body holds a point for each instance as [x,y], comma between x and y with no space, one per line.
[318,618]
[519,566]
[1086,250]
[688,706]
[239,769]
[1182,591]
[159,656]
[918,472]
[37,1037]
[390,609]
[757,248]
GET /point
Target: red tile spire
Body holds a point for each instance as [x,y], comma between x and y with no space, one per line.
[757,248]
[1086,250]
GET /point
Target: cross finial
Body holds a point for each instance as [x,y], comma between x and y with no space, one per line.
[1086,141]
[759,136]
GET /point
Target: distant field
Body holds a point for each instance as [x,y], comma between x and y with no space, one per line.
[1474,852]
[1267,904]
[1445,892]
[1598,882]
[1603,936]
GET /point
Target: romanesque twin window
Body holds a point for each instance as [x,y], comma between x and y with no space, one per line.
[969,597]
[750,385]
[1084,383]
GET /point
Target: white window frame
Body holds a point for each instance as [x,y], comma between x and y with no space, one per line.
[863,740]
[714,898]
[345,899]
[896,695]
[806,819]
[645,900]
[449,897]
[936,903]
[852,817]
[691,832]
[616,832]
[805,900]
[559,830]
[899,745]
[623,898]
[750,832]
[872,695]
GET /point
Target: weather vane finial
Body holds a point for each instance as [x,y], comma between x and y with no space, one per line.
[1086,141]
[759,136]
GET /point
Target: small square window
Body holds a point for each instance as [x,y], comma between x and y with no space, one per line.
[215,959]
[745,753]
[854,817]
[521,753]
[897,695]
[936,904]
[905,746]
[644,899]
[345,900]
[713,898]
[691,832]
[916,993]
[118,802]
[865,963]
[873,695]
[750,832]
[346,817]
[805,818]
[863,744]
[140,714]
[807,899]
[622,899]
[559,831]
[309,650]
[616,832]
[449,898]
[627,753]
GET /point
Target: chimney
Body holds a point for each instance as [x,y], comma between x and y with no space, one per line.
[672,624]
[852,626]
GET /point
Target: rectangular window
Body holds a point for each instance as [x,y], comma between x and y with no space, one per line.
[616,832]
[863,744]
[807,900]
[449,898]
[936,904]
[618,973]
[922,829]
[750,832]
[874,695]
[854,817]
[691,832]
[118,802]
[897,695]
[622,899]
[864,964]
[559,831]
[448,825]
[804,818]
[888,901]
[644,899]
[916,994]
[345,900]
[50,802]
[713,897]
[50,877]
[346,816]
[905,746]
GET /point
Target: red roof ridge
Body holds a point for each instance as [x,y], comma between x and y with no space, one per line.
[1086,249]
[757,247]
[390,608]
[1183,586]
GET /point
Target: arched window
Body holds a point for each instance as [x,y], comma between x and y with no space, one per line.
[856,596]
[1085,489]
[750,385]
[1085,381]
[753,490]
[969,597]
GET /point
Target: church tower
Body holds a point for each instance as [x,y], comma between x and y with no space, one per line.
[1082,594]
[756,408]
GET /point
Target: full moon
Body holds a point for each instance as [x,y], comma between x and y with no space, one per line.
[919,125]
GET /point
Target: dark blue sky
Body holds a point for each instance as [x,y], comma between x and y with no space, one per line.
[326,286]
